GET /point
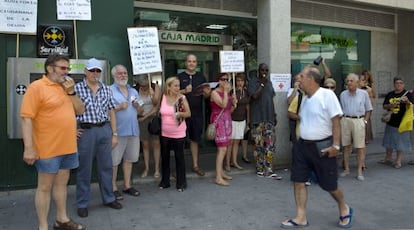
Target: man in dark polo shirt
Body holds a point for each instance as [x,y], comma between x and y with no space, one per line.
[189,80]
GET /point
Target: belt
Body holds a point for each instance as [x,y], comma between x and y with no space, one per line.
[355,117]
[91,125]
[314,141]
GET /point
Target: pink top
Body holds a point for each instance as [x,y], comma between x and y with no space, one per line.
[169,125]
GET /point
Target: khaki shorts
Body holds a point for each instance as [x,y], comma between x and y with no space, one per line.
[353,132]
[127,149]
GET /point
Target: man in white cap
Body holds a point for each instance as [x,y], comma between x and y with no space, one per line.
[97,135]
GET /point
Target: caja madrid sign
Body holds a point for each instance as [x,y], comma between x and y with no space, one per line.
[54,39]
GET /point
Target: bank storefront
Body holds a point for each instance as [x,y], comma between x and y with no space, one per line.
[285,34]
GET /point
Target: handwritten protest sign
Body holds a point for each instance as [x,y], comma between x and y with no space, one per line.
[73,10]
[145,50]
[18,16]
[232,61]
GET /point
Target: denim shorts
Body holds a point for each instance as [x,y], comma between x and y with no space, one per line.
[53,164]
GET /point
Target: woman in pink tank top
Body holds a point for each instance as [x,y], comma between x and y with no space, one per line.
[174,109]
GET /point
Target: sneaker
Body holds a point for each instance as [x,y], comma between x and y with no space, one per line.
[273,176]
[260,174]
[308,183]
[360,178]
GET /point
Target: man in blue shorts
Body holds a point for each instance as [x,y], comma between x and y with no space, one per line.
[189,80]
[49,135]
[317,148]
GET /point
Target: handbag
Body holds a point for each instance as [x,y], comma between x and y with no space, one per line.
[211,128]
[386,117]
[154,126]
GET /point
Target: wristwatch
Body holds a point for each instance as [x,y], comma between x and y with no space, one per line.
[337,147]
[72,94]
[115,134]
[262,85]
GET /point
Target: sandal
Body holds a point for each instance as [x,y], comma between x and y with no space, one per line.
[385,162]
[131,191]
[118,195]
[199,171]
[70,225]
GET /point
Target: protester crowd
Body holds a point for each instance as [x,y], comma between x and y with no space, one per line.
[69,126]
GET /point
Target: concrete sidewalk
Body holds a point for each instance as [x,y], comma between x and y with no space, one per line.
[383,201]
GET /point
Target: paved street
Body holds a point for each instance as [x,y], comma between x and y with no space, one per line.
[383,201]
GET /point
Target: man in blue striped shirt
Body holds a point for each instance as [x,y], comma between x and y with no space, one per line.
[97,135]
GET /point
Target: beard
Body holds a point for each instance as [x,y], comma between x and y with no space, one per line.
[122,82]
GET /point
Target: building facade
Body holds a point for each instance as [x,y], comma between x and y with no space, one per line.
[287,35]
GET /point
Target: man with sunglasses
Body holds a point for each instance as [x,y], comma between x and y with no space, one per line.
[49,135]
[263,121]
[97,135]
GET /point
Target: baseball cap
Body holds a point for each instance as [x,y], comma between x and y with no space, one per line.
[93,63]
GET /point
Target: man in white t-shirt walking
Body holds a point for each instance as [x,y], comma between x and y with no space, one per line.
[317,148]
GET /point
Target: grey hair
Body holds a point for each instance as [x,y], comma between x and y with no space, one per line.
[142,79]
[113,70]
[352,75]
[314,72]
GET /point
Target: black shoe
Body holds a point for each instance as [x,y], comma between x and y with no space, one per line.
[247,161]
[82,212]
[163,186]
[114,204]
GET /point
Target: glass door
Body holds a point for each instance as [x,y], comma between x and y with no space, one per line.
[173,57]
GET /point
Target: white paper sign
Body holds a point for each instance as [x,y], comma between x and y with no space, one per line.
[280,81]
[145,50]
[232,61]
[73,10]
[18,16]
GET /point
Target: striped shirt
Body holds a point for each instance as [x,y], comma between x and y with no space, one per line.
[96,106]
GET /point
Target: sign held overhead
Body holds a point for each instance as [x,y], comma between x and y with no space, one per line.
[232,61]
[144,50]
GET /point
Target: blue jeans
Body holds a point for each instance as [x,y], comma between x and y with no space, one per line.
[95,142]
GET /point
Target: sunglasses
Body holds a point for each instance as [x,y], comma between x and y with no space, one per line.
[224,79]
[63,68]
[95,70]
[330,87]
[267,70]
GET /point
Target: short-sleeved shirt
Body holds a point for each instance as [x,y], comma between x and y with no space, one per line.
[53,118]
[261,109]
[195,102]
[316,113]
[357,104]
[126,119]
[397,112]
[96,106]
[243,100]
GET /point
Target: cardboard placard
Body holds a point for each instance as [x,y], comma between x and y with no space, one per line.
[232,61]
[18,16]
[144,50]
[73,10]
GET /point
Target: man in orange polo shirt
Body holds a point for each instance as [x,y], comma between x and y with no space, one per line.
[49,135]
